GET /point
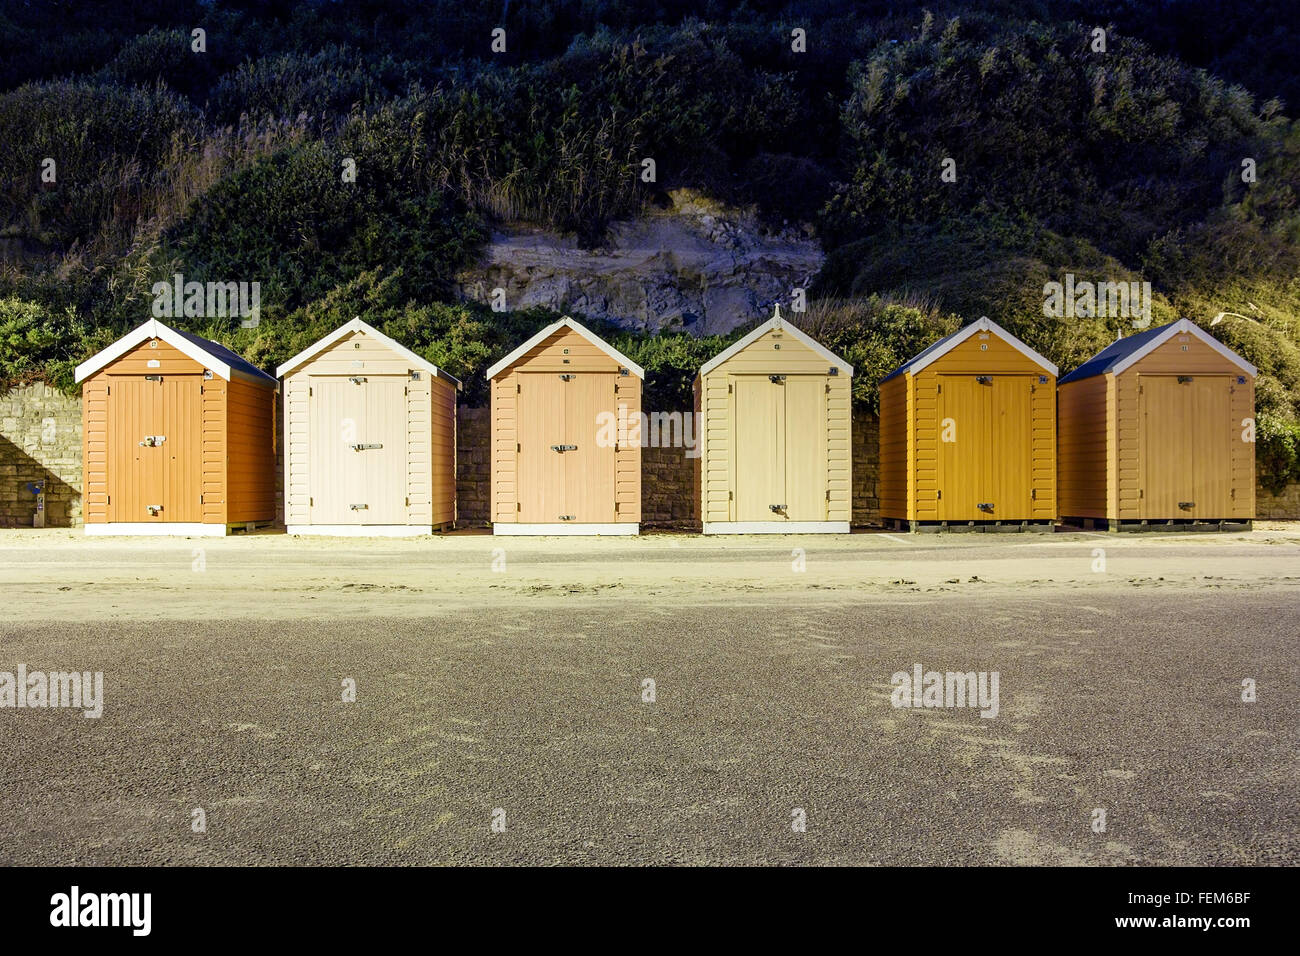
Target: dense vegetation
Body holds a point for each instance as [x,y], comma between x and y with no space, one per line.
[228,165]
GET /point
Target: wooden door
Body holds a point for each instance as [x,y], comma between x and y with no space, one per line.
[1186,446]
[1010,452]
[962,433]
[541,424]
[338,413]
[758,420]
[589,456]
[155,448]
[381,444]
[805,447]
[1213,433]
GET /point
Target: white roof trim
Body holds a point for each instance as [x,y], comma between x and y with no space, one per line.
[776,323]
[550,330]
[364,328]
[980,325]
[153,329]
[1183,327]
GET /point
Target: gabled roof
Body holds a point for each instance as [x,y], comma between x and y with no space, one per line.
[356,325]
[778,324]
[950,342]
[211,355]
[550,330]
[1123,353]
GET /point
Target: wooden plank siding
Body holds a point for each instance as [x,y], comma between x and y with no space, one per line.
[1084,447]
[250,450]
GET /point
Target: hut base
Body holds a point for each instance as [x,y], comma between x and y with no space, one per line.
[1176,525]
[363,530]
[186,529]
[565,529]
[987,527]
[776,527]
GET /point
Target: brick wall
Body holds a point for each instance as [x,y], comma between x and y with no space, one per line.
[40,441]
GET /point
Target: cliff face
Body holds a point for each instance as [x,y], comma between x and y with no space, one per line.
[696,266]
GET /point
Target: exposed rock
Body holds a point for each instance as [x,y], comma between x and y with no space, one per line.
[696,266]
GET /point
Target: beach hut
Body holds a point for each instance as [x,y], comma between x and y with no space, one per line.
[178,436]
[370,438]
[773,416]
[968,435]
[1157,430]
[566,446]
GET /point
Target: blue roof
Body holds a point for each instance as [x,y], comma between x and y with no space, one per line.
[219,351]
[1116,352]
[922,354]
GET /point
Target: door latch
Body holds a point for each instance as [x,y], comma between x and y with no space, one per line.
[153,441]
[1187,505]
[362,446]
[359,507]
[984,379]
[985,506]
[776,508]
[357,379]
[567,517]
[776,379]
[153,510]
[564,448]
[567,377]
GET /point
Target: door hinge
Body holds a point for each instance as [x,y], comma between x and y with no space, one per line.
[1033,494]
[408,501]
[519,506]
[828,388]
[406,390]
[200,499]
[200,389]
[938,494]
[311,502]
[1140,493]
[518,387]
[616,388]
[518,447]
[938,389]
[728,388]
[309,391]
[108,390]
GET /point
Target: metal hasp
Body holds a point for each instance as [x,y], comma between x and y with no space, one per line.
[357,379]
[154,510]
[153,441]
[364,446]
[985,506]
[1187,505]
[359,507]
[567,517]
[776,379]
[776,508]
[984,379]
[564,448]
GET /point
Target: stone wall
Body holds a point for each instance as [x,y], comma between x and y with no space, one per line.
[473,467]
[668,489]
[40,441]
[1282,506]
[866,469]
